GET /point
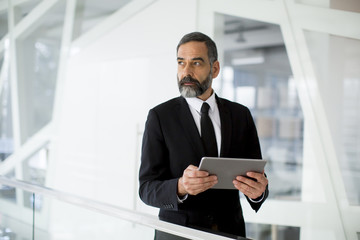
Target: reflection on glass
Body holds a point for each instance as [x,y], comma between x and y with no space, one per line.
[15,221]
[85,224]
[8,193]
[3,23]
[266,231]
[34,168]
[6,134]
[344,5]
[335,61]
[38,56]
[23,8]
[34,171]
[257,74]
[91,12]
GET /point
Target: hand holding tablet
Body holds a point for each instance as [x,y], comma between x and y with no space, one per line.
[227,169]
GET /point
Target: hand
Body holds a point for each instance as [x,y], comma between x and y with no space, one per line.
[253,188]
[194,181]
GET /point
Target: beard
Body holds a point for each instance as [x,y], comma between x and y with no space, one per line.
[195,90]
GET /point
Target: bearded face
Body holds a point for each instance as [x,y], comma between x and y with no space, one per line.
[191,87]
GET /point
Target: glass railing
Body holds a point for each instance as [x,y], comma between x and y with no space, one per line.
[29,211]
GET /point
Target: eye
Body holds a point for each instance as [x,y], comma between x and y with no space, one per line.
[197,63]
[180,63]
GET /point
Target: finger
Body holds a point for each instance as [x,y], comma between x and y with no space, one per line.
[247,190]
[255,175]
[248,181]
[260,177]
[198,188]
[200,180]
[191,172]
[192,167]
[250,187]
[244,188]
[198,183]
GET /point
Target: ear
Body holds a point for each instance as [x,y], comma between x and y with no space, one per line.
[215,69]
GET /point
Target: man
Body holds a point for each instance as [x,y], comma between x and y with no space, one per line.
[173,145]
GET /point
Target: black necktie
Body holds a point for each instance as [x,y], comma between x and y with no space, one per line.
[207,132]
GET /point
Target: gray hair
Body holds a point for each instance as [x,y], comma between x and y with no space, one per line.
[200,37]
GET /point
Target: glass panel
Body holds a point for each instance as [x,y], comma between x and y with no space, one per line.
[335,61]
[34,168]
[315,3]
[6,127]
[256,72]
[53,221]
[275,232]
[91,12]
[84,224]
[38,56]
[3,23]
[24,8]
[345,5]
[8,193]
[15,220]
[34,171]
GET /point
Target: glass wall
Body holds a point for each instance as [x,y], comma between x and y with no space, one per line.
[335,60]
[345,5]
[11,226]
[256,73]
[91,12]
[89,219]
[37,63]
[3,23]
[8,193]
[6,127]
[274,232]
[257,41]
[23,8]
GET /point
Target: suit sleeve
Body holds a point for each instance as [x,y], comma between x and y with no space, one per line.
[255,152]
[157,188]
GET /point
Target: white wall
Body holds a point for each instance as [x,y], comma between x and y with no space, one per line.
[110,86]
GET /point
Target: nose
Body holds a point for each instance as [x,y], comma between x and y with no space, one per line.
[187,70]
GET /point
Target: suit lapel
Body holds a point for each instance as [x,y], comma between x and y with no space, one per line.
[226,127]
[189,127]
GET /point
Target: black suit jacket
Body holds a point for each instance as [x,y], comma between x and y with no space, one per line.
[171,142]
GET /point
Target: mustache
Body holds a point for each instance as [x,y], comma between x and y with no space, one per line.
[189,79]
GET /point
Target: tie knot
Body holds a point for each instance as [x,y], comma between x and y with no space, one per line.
[205,108]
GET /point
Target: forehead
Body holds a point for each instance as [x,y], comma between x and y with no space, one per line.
[193,49]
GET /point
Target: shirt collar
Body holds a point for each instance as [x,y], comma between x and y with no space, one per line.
[197,102]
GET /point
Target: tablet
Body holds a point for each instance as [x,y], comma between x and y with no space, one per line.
[226,169]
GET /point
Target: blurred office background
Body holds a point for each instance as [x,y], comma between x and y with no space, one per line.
[77,78]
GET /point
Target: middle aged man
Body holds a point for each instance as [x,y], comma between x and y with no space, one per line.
[173,145]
